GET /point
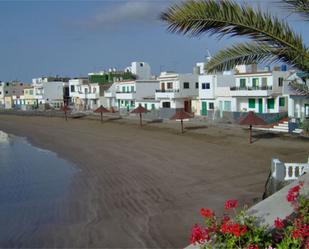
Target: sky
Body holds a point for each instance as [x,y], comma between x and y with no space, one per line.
[74,37]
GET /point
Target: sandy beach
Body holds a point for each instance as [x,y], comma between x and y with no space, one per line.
[143,188]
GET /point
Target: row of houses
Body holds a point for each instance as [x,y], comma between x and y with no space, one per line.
[244,89]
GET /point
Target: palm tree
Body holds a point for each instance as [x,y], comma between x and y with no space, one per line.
[273,39]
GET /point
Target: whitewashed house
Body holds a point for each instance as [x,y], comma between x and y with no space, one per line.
[177,91]
[129,93]
[213,91]
[298,102]
[259,91]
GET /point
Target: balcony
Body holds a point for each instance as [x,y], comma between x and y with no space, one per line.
[167,93]
[251,91]
[125,95]
[109,94]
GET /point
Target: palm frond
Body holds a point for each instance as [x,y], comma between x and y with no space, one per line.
[300,6]
[301,89]
[251,53]
[239,54]
[197,17]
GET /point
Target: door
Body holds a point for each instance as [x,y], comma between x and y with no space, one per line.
[162,87]
[204,108]
[306,110]
[186,106]
[260,105]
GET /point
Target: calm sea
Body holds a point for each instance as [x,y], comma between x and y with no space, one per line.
[32,183]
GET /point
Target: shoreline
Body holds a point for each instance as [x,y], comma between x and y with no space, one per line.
[143,188]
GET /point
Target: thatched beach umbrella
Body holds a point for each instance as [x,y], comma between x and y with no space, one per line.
[139,110]
[181,115]
[101,110]
[65,109]
[251,119]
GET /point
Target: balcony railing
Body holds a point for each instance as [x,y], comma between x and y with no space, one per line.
[126,92]
[167,91]
[253,88]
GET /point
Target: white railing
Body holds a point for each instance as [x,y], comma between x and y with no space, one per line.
[288,171]
[295,170]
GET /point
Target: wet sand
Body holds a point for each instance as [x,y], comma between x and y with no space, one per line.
[143,188]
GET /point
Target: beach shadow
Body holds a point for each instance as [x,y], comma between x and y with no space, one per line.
[196,127]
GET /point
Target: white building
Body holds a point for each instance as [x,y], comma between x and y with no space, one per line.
[259,91]
[176,91]
[88,96]
[298,103]
[128,93]
[213,91]
[51,90]
[142,70]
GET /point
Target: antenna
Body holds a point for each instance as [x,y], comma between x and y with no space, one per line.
[208,56]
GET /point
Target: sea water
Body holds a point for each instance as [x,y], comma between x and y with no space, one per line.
[33,182]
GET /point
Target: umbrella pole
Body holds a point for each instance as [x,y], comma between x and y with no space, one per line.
[65,115]
[181,121]
[250,134]
[140,120]
[101,117]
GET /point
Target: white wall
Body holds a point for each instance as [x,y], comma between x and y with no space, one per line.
[142,70]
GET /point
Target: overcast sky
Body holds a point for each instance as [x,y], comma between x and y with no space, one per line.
[72,38]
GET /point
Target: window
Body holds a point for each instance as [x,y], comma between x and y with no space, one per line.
[94,90]
[72,88]
[86,90]
[141,64]
[282,101]
[152,106]
[123,89]
[242,83]
[26,91]
[205,85]
[94,101]
[255,82]
[6,92]
[227,106]
[211,106]
[7,84]
[132,103]
[251,103]
[264,81]
[186,85]
[31,92]
[146,107]
[280,81]
[166,104]
[132,89]
[169,85]
[196,85]
[270,103]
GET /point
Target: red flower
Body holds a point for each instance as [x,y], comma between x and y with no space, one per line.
[294,193]
[199,235]
[207,213]
[230,204]
[279,223]
[296,234]
[253,247]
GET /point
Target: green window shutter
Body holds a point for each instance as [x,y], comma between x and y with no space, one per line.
[255,82]
[123,89]
[270,103]
[146,106]
[242,83]
[132,89]
[251,103]
[281,101]
[152,106]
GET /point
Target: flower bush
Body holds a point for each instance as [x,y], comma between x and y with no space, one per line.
[242,231]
